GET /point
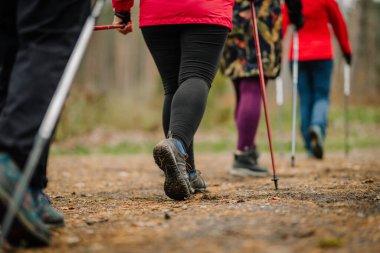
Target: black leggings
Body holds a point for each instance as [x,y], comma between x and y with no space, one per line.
[187,57]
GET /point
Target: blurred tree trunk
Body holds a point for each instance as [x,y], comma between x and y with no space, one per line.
[365,37]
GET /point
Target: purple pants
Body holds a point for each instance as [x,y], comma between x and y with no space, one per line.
[247,111]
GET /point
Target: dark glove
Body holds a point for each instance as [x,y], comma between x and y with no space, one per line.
[295,12]
[254,1]
[125,16]
[348,58]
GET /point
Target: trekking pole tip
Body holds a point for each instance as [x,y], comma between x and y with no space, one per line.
[293,163]
[275,180]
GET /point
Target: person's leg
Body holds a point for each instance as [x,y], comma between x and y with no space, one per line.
[201,47]
[247,121]
[27,229]
[321,74]
[306,100]
[164,45]
[47,33]
[44,48]
[248,114]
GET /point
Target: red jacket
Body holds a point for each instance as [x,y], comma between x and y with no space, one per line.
[169,12]
[314,37]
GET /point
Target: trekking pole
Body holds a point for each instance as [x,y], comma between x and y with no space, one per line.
[295,84]
[347,91]
[262,85]
[51,117]
[280,102]
[110,27]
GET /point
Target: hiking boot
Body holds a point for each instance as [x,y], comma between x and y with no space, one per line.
[245,164]
[27,229]
[170,156]
[196,181]
[316,141]
[47,213]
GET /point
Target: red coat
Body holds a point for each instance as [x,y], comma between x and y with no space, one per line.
[169,12]
[315,41]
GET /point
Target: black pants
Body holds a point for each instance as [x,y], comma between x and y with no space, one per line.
[187,57]
[36,40]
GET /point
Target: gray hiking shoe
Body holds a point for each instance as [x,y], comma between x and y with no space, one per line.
[170,156]
[245,164]
[27,229]
[316,141]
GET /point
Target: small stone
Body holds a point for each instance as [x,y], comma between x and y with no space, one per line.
[90,231]
[123,174]
[276,198]
[72,240]
[79,185]
[240,201]
[66,174]
[184,207]
[167,216]
[360,215]
[368,181]
[304,233]
[92,222]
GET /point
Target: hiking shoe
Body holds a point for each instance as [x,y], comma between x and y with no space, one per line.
[27,229]
[170,156]
[316,141]
[47,213]
[196,181]
[245,164]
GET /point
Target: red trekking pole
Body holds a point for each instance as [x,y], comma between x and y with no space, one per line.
[110,27]
[262,85]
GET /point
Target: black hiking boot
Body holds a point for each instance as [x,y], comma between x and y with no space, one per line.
[27,229]
[170,156]
[245,164]
[196,180]
[47,213]
[316,141]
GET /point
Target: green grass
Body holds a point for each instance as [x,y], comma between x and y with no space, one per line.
[86,113]
[364,127]
[330,243]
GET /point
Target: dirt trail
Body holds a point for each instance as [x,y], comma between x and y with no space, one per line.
[116,204]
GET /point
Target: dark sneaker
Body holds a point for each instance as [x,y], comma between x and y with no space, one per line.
[170,156]
[197,182]
[47,213]
[245,164]
[27,229]
[316,141]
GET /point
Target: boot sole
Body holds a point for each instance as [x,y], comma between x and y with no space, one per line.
[176,186]
[54,225]
[23,232]
[316,146]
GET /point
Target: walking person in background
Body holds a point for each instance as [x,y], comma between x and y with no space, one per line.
[239,62]
[316,65]
[186,39]
[36,40]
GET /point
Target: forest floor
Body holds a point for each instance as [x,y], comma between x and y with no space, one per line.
[116,203]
